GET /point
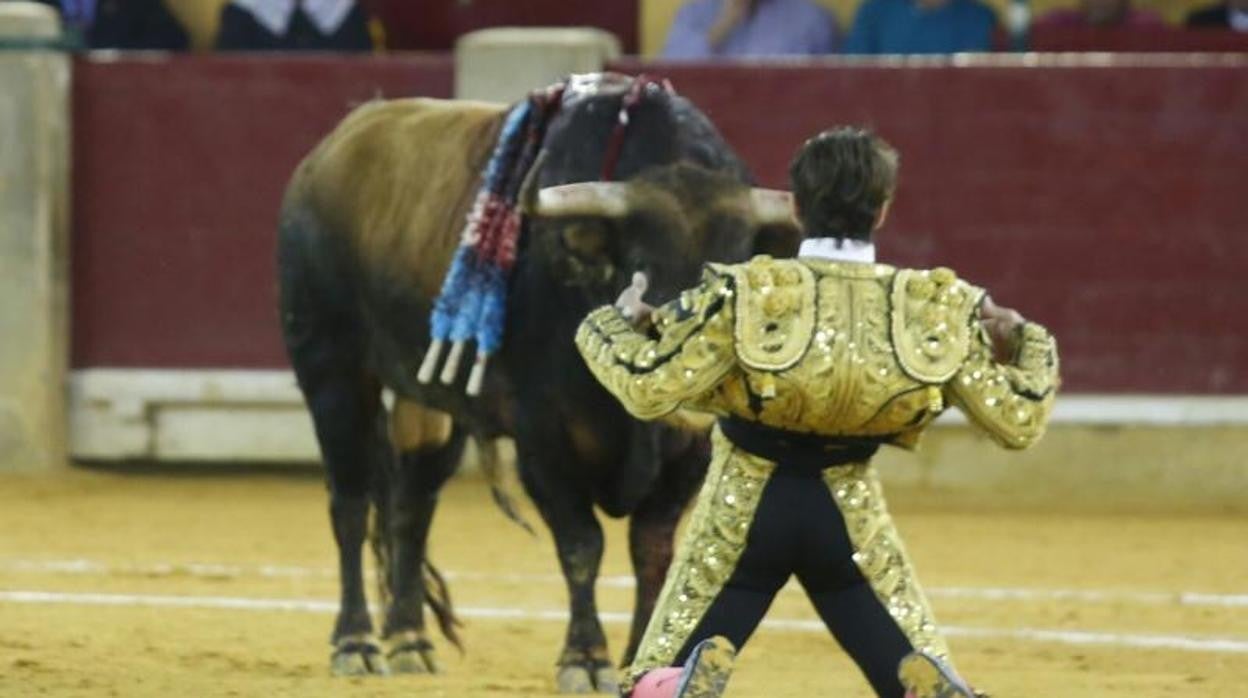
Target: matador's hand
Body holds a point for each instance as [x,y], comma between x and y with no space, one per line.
[1003,326]
[630,301]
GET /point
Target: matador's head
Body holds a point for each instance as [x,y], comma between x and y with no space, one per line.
[843,181]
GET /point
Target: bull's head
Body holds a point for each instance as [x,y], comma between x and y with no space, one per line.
[666,222]
[678,197]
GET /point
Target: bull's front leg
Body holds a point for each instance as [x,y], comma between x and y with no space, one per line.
[429,450]
[652,528]
[584,665]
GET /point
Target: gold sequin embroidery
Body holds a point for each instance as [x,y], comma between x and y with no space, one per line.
[651,376]
[881,556]
[932,313]
[708,553]
[1011,403]
[775,311]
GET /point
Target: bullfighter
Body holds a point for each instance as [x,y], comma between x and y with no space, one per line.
[810,365]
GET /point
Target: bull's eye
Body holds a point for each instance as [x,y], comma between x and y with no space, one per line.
[585,240]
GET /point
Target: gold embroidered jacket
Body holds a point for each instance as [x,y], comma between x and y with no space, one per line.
[837,349]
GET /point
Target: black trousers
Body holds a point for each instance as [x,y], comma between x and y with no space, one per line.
[798,530]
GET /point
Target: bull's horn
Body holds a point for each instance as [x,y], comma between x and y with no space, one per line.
[772,207]
[608,199]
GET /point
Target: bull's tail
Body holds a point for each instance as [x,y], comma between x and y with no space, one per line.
[437,592]
[380,543]
[438,598]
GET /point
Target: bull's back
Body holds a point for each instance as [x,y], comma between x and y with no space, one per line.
[392,183]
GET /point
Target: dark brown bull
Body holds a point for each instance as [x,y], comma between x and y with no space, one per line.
[368,227]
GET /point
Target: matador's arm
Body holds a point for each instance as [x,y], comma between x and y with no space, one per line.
[686,352]
[1010,401]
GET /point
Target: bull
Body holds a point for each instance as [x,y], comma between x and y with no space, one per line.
[369,224]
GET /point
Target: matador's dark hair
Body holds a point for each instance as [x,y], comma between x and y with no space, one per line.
[841,180]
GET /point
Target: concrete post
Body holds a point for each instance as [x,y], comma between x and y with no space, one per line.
[34,216]
[503,65]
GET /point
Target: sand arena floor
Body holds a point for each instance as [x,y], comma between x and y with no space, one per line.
[220,583]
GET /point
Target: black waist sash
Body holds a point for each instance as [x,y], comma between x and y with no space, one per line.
[798,453]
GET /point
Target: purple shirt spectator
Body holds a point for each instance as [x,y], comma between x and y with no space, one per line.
[735,28]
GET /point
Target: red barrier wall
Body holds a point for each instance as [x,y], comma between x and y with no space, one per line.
[1102,201]
[178,169]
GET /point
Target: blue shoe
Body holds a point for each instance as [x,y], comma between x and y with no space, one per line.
[925,676]
[709,667]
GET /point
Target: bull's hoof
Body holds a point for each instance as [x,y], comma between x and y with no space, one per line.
[411,653]
[357,655]
[607,680]
[574,678]
[590,677]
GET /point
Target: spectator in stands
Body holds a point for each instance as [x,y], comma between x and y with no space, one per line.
[294,25]
[734,28]
[921,26]
[123,24]
[1101,14]
[1228,15]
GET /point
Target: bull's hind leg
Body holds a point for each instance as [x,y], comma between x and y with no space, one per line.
[429,446]
[324,345]
[584,665]
[346,413]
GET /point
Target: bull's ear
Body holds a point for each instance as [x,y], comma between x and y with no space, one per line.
[778,239]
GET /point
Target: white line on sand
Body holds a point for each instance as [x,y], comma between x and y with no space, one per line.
[212,570]
[1068,637]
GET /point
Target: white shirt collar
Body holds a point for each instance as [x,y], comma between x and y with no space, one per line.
[838,250]
[275,15]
